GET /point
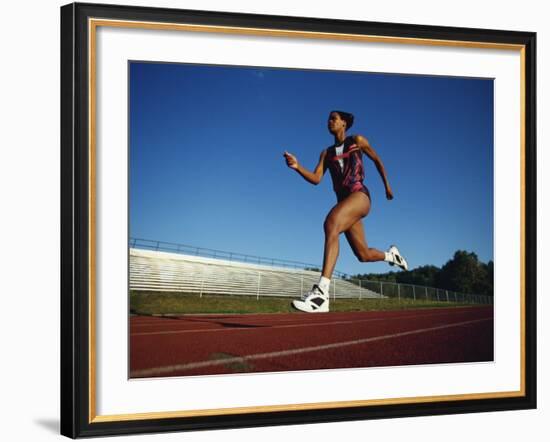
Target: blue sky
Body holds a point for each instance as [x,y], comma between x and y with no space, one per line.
[206,164]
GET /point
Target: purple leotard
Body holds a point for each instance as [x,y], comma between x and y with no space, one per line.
[349,179]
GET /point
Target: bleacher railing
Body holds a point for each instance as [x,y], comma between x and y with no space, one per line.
[163,246]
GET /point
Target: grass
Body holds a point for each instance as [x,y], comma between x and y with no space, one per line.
[149,303]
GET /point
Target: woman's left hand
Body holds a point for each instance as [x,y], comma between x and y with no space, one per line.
[389,193]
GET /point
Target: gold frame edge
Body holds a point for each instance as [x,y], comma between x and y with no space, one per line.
[93,23]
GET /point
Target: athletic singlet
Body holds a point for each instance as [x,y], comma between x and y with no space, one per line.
[350,178]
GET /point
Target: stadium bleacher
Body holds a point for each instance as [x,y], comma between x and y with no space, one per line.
[152,270]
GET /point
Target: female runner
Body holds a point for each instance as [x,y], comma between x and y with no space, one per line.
[345,163]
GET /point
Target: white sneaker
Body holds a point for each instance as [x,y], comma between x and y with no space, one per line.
[398,260]
[314,301]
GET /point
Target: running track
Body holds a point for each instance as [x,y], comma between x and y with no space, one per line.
[217,344]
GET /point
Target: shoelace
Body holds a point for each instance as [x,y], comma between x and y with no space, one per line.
[314,291]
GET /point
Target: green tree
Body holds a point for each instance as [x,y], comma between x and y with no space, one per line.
[464,274]
[425,275]
[484,285]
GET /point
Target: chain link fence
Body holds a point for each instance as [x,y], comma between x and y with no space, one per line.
[418,293]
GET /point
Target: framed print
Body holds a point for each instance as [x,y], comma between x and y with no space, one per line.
[205,283]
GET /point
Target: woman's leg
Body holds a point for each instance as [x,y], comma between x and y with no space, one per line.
[340,219]
[356,239]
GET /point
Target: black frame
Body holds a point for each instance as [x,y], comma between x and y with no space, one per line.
[75,220]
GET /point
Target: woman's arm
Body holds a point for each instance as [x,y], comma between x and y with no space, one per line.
[314,177]
[365,146]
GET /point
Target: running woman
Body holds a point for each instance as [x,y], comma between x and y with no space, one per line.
[344,161]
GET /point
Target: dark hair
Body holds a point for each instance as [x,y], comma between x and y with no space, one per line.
[346,116]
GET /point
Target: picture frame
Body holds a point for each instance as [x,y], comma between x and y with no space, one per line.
[80,386]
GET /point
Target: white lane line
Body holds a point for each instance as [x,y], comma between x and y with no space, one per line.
[156,371]
[251,327]
[172,321]
[148,320]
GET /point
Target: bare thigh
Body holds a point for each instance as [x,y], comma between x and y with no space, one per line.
[347,213]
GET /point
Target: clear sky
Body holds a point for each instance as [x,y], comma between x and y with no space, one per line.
[207,167]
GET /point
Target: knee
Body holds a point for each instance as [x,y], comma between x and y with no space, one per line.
[331,228]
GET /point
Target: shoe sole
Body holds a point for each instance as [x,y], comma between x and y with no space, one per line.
[308,311]
[404,267]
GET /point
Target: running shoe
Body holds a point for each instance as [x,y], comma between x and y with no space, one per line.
[314,301]
[398,260]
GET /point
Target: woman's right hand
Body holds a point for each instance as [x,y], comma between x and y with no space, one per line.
[291,160]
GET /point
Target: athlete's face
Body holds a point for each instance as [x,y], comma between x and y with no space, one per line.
[335,123]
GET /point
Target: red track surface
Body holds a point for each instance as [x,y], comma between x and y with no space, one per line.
[216,344]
